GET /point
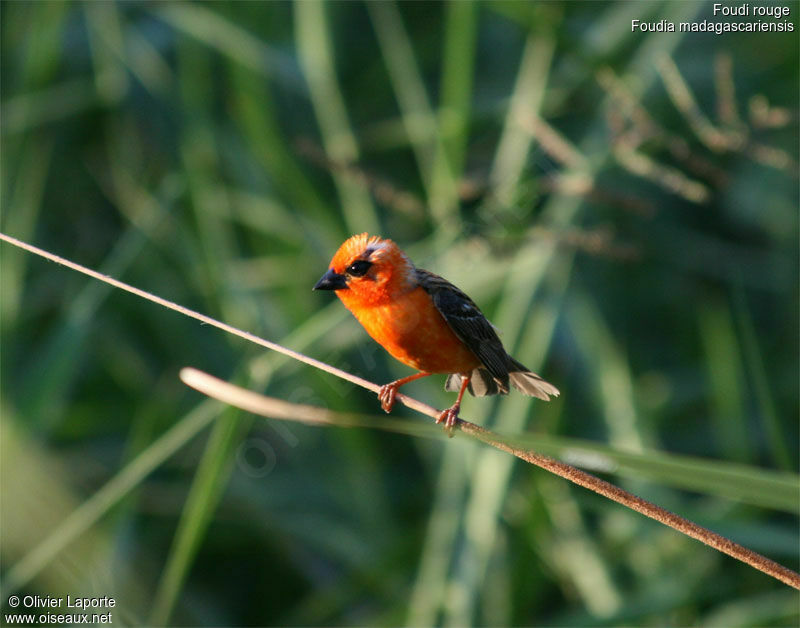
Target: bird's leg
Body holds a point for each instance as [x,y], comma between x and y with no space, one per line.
[450,416]
[388,391]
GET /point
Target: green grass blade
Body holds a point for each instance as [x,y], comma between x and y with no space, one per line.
[759,382]
[526,100]
[461,30]
[317,56]
[418,117]
[90,511]
[610,373]
[213,473]
[746,484]
[19,218]
[726,382]
[213,30]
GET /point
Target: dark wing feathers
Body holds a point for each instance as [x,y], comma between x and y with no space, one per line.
[474,330]
[467,322]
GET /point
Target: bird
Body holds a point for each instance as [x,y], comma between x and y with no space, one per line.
[425,322]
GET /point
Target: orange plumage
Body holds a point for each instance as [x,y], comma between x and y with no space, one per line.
[425,322]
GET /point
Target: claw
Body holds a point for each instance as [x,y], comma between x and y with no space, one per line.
[449,417]
[387,392]
[386,396]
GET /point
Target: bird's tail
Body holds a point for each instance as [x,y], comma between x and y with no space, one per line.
[483,383]
[530,383]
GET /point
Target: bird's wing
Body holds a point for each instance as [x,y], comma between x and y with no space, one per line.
[467,322]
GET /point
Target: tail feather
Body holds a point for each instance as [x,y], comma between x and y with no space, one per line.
[530,383]
[481,383]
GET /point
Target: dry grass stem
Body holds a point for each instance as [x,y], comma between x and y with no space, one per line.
[644,128]
[382,190]
[667,177]
[280,409]
[553,142]
[192,314]
[599,242]
[727,111]
[764,116]
[731,139]
[685,102]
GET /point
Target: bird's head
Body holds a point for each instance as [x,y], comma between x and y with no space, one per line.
[368,269]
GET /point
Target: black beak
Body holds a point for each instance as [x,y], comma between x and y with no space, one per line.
[331,281]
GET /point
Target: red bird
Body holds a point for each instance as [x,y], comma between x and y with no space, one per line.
[425,322]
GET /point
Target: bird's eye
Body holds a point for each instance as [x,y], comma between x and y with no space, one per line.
[358,268]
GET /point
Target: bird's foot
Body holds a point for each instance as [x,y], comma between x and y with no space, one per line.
[449,417]
[386,396]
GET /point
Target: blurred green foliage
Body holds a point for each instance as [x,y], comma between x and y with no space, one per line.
[638,249]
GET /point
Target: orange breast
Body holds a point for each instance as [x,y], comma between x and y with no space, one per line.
[413,331]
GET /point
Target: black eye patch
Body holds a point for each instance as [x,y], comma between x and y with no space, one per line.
[358,268]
